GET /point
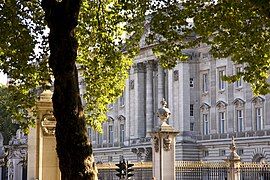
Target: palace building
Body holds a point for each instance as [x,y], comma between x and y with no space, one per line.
[205,109]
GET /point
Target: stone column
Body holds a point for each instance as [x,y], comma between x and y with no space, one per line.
[149,97]
[160,84]
[234,163]
[42,157]
[164,147]
[140,100]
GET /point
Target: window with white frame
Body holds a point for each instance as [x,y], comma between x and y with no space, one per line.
[99,138]
[110,158]
[239,82]
[93,136]
[258,118]
[205,55]
[89,131]
[110,134]
[221,118]
[122,133]
[205,124]
[121,157]
[191,110]
[192,124]
[205,153]
[205,82]
[239,120]
[221,82]
[105,132]
[122,100]
[258,109]
[191,82]
[110,106]
[222,152]
[240,151]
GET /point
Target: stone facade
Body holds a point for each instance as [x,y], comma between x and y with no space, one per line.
[205,109]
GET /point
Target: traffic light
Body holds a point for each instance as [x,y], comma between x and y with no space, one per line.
[129,170]
[121,170]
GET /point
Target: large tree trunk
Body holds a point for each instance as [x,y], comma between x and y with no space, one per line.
[74,150]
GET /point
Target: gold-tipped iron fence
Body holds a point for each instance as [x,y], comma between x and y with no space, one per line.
[192,170]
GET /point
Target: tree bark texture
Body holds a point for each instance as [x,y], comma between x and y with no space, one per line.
[74,149]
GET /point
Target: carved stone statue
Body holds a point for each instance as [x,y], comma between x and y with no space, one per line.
[163,113]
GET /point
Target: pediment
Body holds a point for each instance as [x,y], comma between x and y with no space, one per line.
[238,102]
[205,107]
[221,104]
[258,100]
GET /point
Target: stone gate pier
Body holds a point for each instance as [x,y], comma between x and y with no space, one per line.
[163,138]
[42,157]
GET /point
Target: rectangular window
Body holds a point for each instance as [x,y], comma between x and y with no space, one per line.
[122,100]
[239,120]
[191,82]
[239,82]
[105,132]
[99,138]
[110,158]
[205,55]
[110,134]
[205,124]
[89,131]
[240,151]
[221,82]
[121,157]
[192,126]
[205,153]
[110,106]
[205,83]
[258,119]
[222,152]
[221,117]
[94,135]
[122,133]
[191,110]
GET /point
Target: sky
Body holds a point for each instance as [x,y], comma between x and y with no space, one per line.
[3,78]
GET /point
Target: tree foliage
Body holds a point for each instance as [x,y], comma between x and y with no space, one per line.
[235,29]
[109,38]
[238,29]
[109,33]
[13,111]
[23,49]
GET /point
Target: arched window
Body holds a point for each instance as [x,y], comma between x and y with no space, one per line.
[239,82]
[110,130]
[258,109]
[99,138]
[221,117]
[205,118]
[122,121]
[239,125]
[122,99]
